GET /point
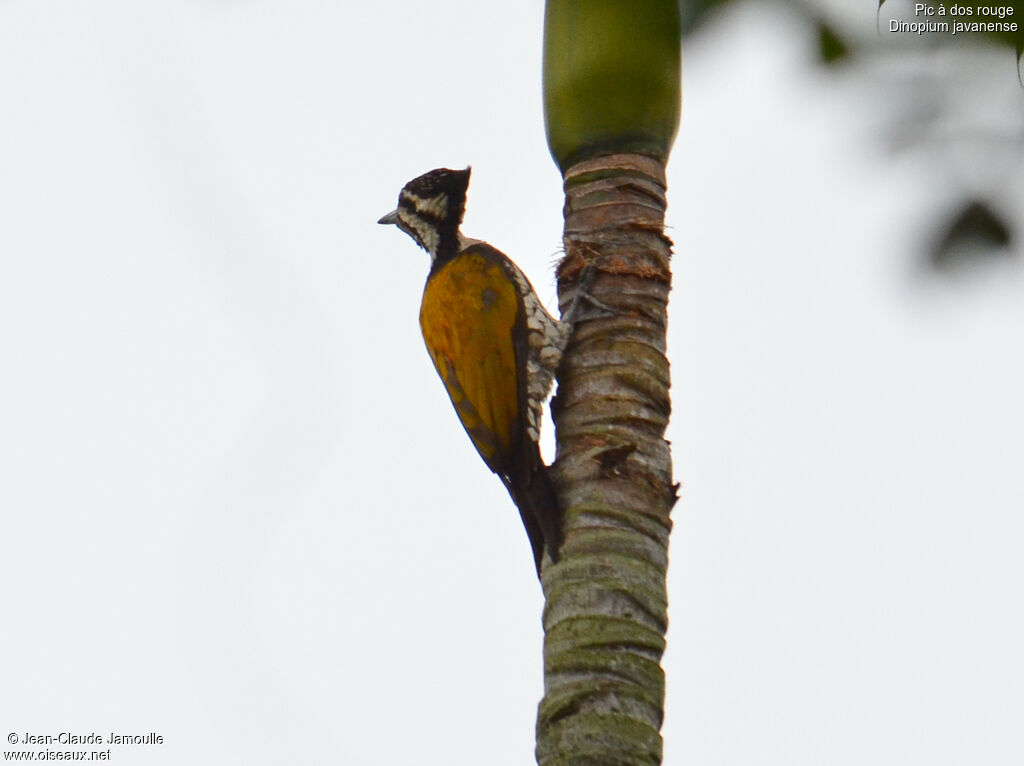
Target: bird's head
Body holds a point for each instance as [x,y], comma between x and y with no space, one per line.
[430,210]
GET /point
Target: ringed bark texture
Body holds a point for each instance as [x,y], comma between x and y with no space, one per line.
[605,614]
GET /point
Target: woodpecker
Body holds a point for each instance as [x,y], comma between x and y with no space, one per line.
[492,342]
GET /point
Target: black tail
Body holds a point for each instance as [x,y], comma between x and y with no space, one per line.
[534,496]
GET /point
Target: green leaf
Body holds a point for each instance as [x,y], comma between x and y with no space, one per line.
[831,47]
[977,230]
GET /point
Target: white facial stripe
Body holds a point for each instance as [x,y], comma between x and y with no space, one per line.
[435,206]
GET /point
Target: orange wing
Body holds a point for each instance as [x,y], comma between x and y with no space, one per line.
[468,315]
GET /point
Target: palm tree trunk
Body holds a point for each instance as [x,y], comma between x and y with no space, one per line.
[605,614]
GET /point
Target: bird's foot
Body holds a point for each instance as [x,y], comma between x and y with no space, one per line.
[584,305]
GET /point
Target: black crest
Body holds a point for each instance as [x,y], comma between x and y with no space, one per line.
[453,183]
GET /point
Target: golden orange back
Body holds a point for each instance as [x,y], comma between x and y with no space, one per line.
[468,316]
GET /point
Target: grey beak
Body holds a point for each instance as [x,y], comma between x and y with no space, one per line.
[391,217]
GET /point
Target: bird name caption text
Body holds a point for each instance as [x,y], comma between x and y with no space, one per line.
[957,19]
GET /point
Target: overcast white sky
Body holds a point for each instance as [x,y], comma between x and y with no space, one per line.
[238,511]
